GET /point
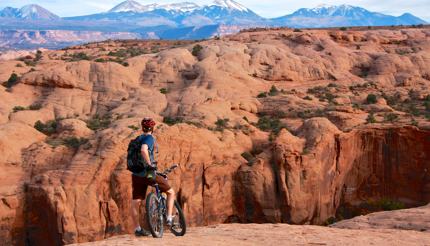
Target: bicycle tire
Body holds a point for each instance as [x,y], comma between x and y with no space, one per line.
[183,229]
[153,217]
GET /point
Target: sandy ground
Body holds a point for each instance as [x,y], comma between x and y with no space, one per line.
[276,234]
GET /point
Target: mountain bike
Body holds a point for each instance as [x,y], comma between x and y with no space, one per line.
[156,210]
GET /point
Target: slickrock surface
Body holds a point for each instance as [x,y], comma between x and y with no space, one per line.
[267,126]
[278,234]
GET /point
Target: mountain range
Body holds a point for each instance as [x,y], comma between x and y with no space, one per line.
[188,20]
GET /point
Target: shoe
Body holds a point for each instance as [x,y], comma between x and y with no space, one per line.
[169,222]
[142,233]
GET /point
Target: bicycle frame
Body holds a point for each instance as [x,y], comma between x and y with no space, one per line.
[161,200]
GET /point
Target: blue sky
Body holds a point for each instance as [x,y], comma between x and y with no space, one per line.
[266,8]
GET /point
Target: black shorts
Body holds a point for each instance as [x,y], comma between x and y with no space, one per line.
[140,185]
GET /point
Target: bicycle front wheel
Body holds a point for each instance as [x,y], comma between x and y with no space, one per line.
[154,216]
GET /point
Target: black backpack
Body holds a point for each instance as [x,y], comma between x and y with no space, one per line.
[135,162]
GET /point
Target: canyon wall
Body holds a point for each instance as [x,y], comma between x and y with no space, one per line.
[262,132]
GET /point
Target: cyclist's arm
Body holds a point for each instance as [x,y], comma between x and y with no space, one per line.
[145,154]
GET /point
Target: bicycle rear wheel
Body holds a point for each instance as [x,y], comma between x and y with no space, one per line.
[154,216]
[179,227]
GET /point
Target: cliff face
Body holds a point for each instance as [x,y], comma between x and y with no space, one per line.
[311,177]
[262,132]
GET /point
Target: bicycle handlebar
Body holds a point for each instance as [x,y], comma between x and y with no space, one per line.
[169,170]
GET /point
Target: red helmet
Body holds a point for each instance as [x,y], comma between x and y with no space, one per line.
[148,123]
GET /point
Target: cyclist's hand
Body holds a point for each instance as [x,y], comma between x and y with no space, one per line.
[152,167]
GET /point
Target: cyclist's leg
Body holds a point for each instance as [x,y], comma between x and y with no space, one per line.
[139,188]
[165,187]
[170,201]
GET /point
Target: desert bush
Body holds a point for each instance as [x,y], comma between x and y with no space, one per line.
[427,106]
[391,117]
[248,157]
[262,95]
[343,28]
[18,108]
[19,65]
[384,204]
[100,60]
[47,128]
[80,56]
[308,98]
[297,30]
[268,124]
[371,119]
[35,106]
[134,128]
[172,120]
[164,91]
[99,122]
[412,109]
[38,56]
[13,80]
[371,99]
[273,91]
[74,142]
[197,49]
[221,124]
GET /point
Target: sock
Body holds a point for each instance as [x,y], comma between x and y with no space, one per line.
[138,228]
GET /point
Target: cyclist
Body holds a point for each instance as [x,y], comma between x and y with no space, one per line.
[140,181]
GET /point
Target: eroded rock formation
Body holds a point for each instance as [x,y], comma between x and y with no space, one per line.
[271,126]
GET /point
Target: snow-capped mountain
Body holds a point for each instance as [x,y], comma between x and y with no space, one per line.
[133,6]
[229,4]
[130,6]
[28,12]
[342,15]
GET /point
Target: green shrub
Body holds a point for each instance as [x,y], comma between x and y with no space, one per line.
[134,128]
[427,106]
[13,80]
[248,157]
[100,60]
[197,49]
[333,85]
[371,119]
[273,91]
[414,110]
[47,128]
[329,96]
[172,121]
[386,204]
[38,56]
[391,117]
[74,142]
[297,30]
[35,106]
[330,221]
[371,99]
[80,56]
[125,64]
[19,65]
[262,95]
[18,108]
[343,28]
[30,63]
[308,98]
[164,91]
[221,124]
[99,123]
[270,124]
